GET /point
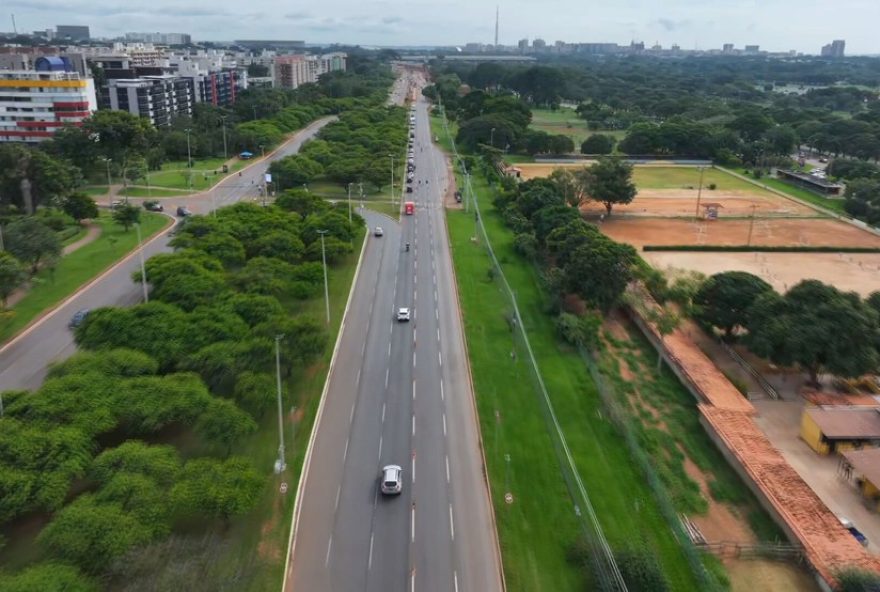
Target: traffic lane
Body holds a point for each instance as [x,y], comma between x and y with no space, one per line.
[324,473]
[348,561]
[24,361]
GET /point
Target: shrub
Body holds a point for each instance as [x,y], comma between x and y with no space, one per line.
[526,245]
[713,186]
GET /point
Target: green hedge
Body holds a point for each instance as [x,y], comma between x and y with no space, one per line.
[761,249]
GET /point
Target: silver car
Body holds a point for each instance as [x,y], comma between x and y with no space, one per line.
[392,481]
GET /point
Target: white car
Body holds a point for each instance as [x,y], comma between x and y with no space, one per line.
[403,314]
[378,231]
[392,481]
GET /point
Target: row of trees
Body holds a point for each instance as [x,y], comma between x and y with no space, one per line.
[199,357]
[813,325]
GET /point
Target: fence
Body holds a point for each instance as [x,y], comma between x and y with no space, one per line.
[762,382]
[604,563]
[775,551]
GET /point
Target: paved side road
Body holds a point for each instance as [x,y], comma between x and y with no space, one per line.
[25,359]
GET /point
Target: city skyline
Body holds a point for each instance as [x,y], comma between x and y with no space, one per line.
[776,25]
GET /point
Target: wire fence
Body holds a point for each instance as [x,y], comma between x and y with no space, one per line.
[605,567]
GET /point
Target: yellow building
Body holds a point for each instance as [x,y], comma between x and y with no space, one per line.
[836,429]
[863,467]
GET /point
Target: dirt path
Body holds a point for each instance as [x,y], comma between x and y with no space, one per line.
[92,233]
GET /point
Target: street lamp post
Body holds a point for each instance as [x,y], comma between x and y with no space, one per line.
[324,261]
[492,137]
[189,158]
[699,194]
[280,464]
[349,203]
[263,149]
[137,227]
[109,183]
[392,179]
[223,119]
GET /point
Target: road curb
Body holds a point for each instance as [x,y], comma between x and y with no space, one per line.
[473,395]
[51,312]
[297,506]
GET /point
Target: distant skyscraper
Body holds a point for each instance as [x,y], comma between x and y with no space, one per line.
[727,48]
[835,49]
[72,32]
[496,25]
[523,45]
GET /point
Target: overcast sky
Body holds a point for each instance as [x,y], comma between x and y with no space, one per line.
[804,25]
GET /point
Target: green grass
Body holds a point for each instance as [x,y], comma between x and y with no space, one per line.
[94,190]
[538,528]
[565,121]
[77,268]
[384,207]
[518,158]
[658,177]
[205,174]
[152,192]
[835,205]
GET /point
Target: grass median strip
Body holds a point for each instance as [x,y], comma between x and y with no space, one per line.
[52,286]
[538,530]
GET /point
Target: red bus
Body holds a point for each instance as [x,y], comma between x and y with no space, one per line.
[409,207]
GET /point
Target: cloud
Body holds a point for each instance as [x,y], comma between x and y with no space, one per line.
[671,25]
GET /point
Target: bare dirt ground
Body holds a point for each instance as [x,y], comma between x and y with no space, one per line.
[761,575]
[531,170]
[683,203]
[765,232]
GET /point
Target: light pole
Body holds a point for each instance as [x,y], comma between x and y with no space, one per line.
[263,149]
[492,137]
[109,183]
[2,248]
[189,158]
[349,203]
[223,119]
[699,194]
[324,261]
[280,464]
[392,178]
[137,227]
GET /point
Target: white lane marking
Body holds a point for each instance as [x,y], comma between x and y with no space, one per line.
[438,334]
[455,580]
[370,559]
[383,413]
[414,334]
[387,371]
[363,348]
[442,396]
[439,358]
[415,294]
[345,454]
[451,523]
[412,529]
[412,581]
[413,425]
[414,468]
[351,414]
[338,491]
[447,468]
[329,546]
[415,279]
[414,390]
[437,314]
[444,424]
[414,359]
[358,379]
[380,447]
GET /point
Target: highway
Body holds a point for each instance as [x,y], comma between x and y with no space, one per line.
[399,393]
[25,359]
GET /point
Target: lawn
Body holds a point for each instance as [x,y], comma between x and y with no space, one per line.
[537,530]
[152,192]
[566,121]
[657,177]
[94,190]
[76,269]
[835,205]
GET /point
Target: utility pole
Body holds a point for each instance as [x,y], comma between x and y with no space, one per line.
[392,179]
[137,227]
[280,464]
[109,183]
[223,119]
[324,261]
[699,194]
[349,203]
[189,158]
[2,248]
[492,137]
[751,226]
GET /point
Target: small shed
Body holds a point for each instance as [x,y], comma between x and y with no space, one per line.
[710,210]
[836,429]
[863,468]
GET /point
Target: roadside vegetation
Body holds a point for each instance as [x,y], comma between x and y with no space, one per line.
[170,460]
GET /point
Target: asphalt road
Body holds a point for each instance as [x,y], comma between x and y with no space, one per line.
[399,394]
[24,360]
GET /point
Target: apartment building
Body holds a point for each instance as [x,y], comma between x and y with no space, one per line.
[34,104]
[292,71]
[159,98]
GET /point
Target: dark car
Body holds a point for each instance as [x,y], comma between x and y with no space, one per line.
[458,196]
[183,211]
[154,206]
[409,188]
[78,318]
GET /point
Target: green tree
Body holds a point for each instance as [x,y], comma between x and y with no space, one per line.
[224,424]
[286,246]
[611,183]
[856,579]
[48,577]
[817,327]
[599,271]
[127,215]
[32,242]
[161,463]
[80,206]
[302,202]
[255,392]
[217,489]
[12,276]
[724,299]
[120,136]
[90,534]
[294,171]
[598,144]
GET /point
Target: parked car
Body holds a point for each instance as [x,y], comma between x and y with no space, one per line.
[391,480]
[78,318]
[409,188]
[183,211]
[857,534]
[154,206]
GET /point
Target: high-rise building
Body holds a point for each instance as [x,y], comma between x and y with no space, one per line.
[539,44]
[727,48]
[292,71]
[72,32]
[523,45]
[158,98]
[34,104]
[160,38]
[213,81]
[752,49]
[835,49]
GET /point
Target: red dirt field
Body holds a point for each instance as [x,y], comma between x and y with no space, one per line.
[775,232]
[683,203]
